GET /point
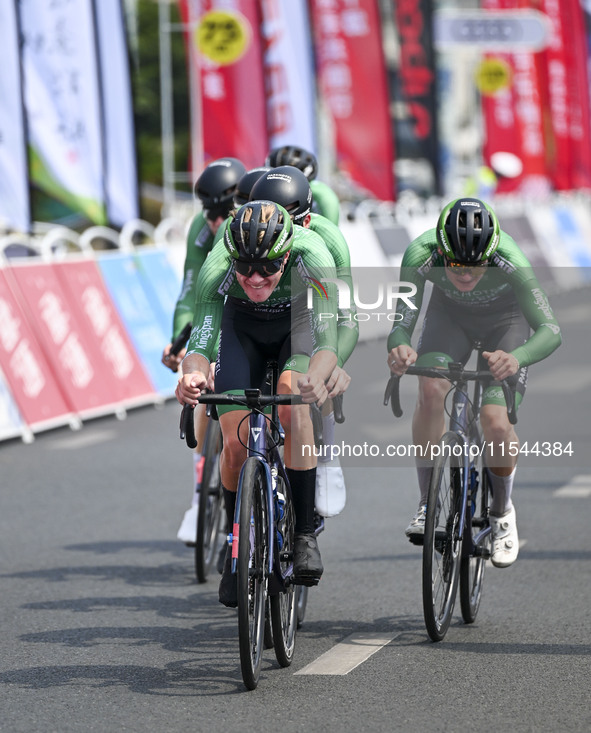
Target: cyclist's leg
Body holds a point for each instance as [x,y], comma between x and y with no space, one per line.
[240,365]
[187,530]
[502,441]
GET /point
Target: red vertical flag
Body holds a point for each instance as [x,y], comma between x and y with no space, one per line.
[225,50]
[568,87]
[352,80]
[515,118]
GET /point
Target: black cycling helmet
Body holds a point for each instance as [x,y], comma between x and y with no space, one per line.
[288,187]
[293,155]
[468,231]
[259,232]
[245,184]
[216,185]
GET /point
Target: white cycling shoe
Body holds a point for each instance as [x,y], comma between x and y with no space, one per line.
[416,528]
[505,540]
[331,493]
[188,530]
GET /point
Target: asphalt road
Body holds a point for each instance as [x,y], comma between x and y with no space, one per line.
[104,628]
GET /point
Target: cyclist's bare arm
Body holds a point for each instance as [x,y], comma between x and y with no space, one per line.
[195,375]
[312,385]
[172,361]
[501,364]
[338,382]
[400,358]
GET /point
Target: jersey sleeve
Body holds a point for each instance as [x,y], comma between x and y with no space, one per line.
[199,244]
[326,202]
[347,325]
[209,304]
[415,263]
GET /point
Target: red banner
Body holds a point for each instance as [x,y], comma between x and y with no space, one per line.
[352,78]
[514,117]
[225,49]
[86,292]
[568,89]
[27,372]
[74,356]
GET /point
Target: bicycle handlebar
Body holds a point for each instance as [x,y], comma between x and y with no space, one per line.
[181,340]
[455,373]
[337,406]
[252,398]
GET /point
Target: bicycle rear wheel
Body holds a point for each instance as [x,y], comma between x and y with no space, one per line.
[442,543]
[284,605]
[253,549]
[211,515]
[472,565]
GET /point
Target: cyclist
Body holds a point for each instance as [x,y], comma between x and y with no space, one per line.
[215,189]
[289,187]
[326,202]
[484,289]
[253,288]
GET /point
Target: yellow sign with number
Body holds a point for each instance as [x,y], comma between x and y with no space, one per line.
[223,36]
[492,75]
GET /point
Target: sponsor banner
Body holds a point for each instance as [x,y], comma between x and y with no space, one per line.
[11,423]
[121,181]
[25,367]
[514,117]
[142,320]
[416,90]
[352,78]
[73,354]
[228,95]
[81,280]
[289,86]
[161,283]
[62,99]
[15,208]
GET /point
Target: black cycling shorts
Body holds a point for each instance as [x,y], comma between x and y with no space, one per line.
[452,330]
[250,338]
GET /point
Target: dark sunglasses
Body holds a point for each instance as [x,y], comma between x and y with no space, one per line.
[265,269]
[215,212]
[459,266]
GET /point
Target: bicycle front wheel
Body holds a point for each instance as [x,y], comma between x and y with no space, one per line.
[442,544]
[211,515]
[284,605]
[253,552]
[477,543]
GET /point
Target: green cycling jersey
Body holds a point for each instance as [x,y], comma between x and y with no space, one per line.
[347,326]
[309,262]
[335,242]
[325,201]
[509,275]
[200,241]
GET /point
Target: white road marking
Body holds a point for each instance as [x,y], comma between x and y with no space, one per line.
[578,487]
[83,440]
[347,655]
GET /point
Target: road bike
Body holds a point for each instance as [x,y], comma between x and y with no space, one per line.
[262,536]
[457,538]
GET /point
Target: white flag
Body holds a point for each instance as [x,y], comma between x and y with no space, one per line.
[121,174]
[62,101]
[14,185]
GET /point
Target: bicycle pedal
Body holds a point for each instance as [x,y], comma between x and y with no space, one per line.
[308,582]
[416,539]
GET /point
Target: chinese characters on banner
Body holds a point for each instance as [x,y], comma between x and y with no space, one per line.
[225,51]
[352,80]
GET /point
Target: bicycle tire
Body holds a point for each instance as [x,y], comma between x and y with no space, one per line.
[442,544]
[302,602]
[211,515]
[253,544]
[284,606]
[472,566]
